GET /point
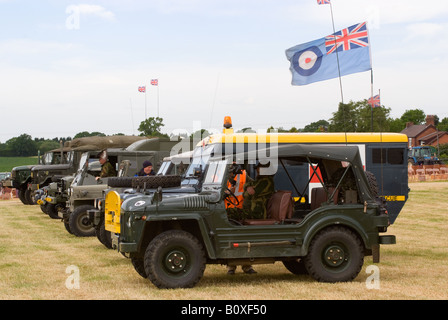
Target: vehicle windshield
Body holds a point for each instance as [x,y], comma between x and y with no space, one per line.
[164,168]
[215,172]
[200,159]
[54,157]
[83,166]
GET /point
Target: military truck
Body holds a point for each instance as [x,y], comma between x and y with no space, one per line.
[42,175]
[21,176]
[170,237]
[85,188]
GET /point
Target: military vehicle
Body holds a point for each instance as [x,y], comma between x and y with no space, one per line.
[85,188]
[42,175]
[169,175]
[21,176]
[170,237]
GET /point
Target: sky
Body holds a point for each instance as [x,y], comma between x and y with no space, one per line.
[68,67]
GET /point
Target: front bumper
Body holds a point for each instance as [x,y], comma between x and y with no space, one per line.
[124,247]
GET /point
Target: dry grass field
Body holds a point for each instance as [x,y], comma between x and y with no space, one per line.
[35,252]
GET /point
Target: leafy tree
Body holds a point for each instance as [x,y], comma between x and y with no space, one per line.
[22,146]
[359,117]
[152,127]
[345,119]
[87,134]
[47,145]
[443,125]
[317,126]
[416,116]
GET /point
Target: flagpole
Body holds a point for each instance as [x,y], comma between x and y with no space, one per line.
[337,56]
[145,103]
[339,73]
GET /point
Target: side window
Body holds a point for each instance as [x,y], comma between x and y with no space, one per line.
[395,156]
[378,155]
[388,155]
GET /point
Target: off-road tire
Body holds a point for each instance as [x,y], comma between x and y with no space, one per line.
[22,196]
[336,254]
[29,197]
[103,235]
[120,182]
[175,259]
[51,210]
[79,222]
[139,266]
[153,182]
[295,266]
[373,184]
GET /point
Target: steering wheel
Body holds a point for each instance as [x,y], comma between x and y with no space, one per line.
[231,197]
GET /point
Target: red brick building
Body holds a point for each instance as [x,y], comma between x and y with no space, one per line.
[425,134]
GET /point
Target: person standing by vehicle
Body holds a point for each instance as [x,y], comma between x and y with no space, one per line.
[234,201]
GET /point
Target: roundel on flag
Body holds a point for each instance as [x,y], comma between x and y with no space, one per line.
[307,62]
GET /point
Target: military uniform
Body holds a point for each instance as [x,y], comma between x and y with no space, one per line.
[107,170]
[254,206]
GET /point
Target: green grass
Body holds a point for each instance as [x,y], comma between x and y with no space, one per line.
[7,163]
[35,252]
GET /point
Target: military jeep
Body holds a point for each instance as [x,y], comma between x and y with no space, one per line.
[170,237]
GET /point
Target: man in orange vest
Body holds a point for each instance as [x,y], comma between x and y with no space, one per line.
[236,183]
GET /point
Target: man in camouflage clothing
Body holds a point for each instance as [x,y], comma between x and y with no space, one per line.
[107,170]
[256,195]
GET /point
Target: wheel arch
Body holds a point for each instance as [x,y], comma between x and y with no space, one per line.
[194,226]
[344,222]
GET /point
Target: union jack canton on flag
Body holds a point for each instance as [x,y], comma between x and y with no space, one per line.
[349,38]
[375,101]
[323,1]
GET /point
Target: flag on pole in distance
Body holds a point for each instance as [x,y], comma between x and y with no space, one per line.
[344,52]
[375,101]
[142,89]
[155,82]
[323,1]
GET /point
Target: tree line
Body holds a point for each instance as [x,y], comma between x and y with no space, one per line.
[355,116]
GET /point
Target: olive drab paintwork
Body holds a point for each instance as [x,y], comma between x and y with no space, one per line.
[197,226]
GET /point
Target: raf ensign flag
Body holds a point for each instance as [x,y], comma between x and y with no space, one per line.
[318,60]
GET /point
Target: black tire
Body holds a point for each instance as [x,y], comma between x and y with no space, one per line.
[120,182]
[295,266]
[51,210]
[373,184]
[67,227]
[139,266]
[175,259]
[43,208]
[79,222]
[29,197]
[335,255]
[152,182]
[103,235]
[22,196]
